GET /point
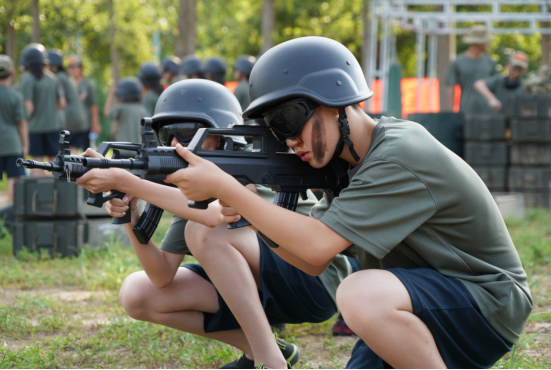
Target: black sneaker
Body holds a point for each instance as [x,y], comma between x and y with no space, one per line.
[290,352]
[241,363]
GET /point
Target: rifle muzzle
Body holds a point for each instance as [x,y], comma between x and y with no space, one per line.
[48,166]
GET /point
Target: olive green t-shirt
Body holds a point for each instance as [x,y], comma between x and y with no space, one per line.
[413,203]
[175,242]
[44,94]
[88,98]
[12,111]
[150,101]
[242,94]
[128,117]
[74,114]
[465,71]
[496,84]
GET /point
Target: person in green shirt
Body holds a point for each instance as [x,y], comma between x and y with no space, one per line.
[215,70]
[127,112]
[497,89]
[442,284]
[186,298]
[150,77]
[43,95]
[470,66]
[88,98]
[73,115]
[14,140]
[241,71]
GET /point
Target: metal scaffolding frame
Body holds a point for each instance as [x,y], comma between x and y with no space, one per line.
[433,23]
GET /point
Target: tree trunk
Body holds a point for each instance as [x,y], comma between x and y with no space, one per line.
[36,21]
[366,35]
[10,32]
[186,27]
[544,45]
[443,61]
[268,24]
[112,40]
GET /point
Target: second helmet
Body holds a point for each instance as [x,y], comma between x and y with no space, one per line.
[149,74]
[129,89]
[33,54]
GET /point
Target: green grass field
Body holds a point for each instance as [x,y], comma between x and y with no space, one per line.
[64,313]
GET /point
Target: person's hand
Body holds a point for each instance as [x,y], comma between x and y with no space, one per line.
[97,129]
[228,214]
[201,180]
[495,104]
[118,208]
[25,150]
[100,180]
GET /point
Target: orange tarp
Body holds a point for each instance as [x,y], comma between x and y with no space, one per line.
[231,85]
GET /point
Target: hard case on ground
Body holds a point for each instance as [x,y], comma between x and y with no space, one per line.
[530,129]
[530,154]
[484,127]
[480,153]
[538,199]
[66,237]
[40,197]
[530,178]
[529,105]
[495,177]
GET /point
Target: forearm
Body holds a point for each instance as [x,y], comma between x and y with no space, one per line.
[304,237]
[61,103]
[483,90]
[24,132]
[108,104]
[451,93]
[94,118]
[30,107]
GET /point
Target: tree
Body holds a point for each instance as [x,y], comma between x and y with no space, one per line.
[186,27]
[268,24]
[113,43]
[36,21]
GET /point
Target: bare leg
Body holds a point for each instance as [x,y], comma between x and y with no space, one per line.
[231,258]
[377,307]
[11,182]
[179,305]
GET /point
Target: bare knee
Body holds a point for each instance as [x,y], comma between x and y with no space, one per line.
[133,297]
[200,238]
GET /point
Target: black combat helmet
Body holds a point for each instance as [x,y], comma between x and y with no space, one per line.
[129,89]
[172,65]
[55,56]
[191,65]
[316,68]
[33,54]
[216,67]
[150,74]
[244,64]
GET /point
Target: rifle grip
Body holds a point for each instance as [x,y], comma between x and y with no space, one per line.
[241,223]
[127,217]
[200,204]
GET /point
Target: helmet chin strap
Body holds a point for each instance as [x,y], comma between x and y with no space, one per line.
[345,131]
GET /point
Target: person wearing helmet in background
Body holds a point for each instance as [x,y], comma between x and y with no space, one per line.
[171,71]
[215,70]
[127,112]
[497,89]
[442,285]
[88,99]
[43,95]
[195,304]
[150,76]
[241,71]
[192,67]
[73,116]
[14,138]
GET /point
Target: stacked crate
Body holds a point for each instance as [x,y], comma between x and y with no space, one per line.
[54,216]
[487,149]
[530,172]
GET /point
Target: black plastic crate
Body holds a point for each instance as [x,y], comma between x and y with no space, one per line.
[484,127]
[530,129]
[537,199]
[530,154]
[444,126]
[529,178]
[529,105]
[480,153]
[495,177]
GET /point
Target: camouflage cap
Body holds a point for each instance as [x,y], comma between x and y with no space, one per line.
[74,61]
[6,65]
[519,59]
[478,34]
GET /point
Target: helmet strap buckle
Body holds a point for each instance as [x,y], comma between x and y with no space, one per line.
[344,129]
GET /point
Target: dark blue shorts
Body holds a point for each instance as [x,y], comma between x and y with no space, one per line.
[7,165]
[463,337]
[289,296]
[44,144]
[78,140]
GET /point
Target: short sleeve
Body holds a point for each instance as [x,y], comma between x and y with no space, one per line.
[115,112]
[452,78]
[492,82]
[175,240]
[384,203]
[27,87]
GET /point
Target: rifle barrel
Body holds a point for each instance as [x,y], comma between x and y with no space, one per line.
[129,164]
[48,166]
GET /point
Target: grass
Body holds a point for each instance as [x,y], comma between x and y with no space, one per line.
[64,313]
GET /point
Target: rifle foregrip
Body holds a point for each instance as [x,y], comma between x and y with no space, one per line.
[147,224]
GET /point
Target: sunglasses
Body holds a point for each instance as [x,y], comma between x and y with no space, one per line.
[183,132]
[287,120]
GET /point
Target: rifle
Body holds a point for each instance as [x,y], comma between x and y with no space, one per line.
[68,167]
[283,172]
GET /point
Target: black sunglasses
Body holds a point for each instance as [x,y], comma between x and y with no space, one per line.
[287,119]
[183,132]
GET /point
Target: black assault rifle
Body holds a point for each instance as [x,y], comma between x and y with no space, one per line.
[283,172]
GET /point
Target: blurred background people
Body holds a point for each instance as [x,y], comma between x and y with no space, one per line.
[497,88]
[88,99]
[43,95]
[470,66]
[72,117]
[215,70]
[150,76]
[242,68]
[192,67]
[171,70]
